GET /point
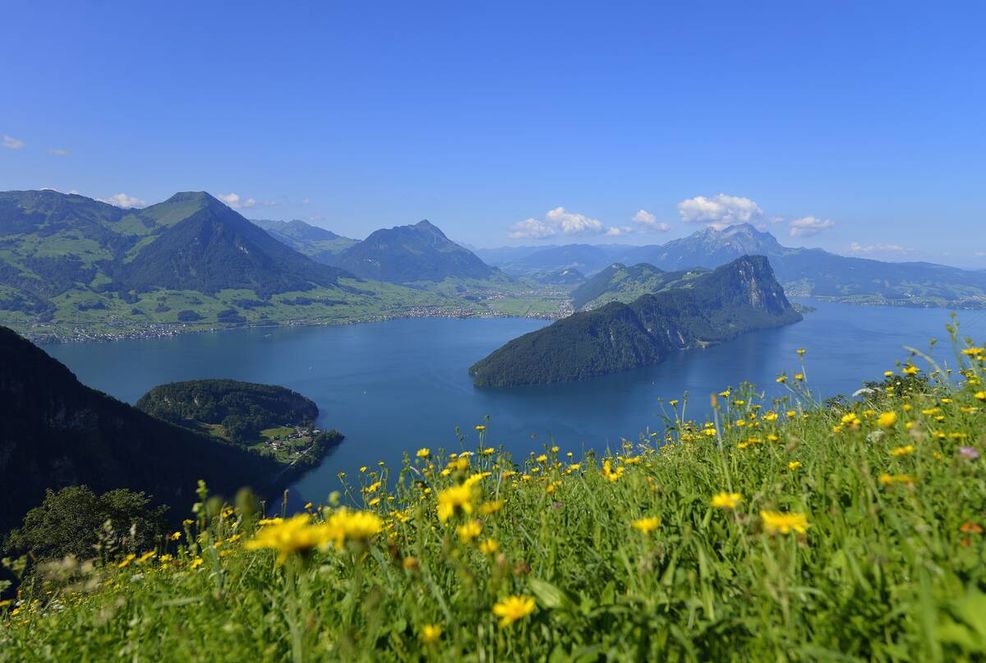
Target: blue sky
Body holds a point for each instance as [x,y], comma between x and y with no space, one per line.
[862,123]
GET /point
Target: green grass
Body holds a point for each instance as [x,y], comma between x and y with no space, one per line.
[890,567]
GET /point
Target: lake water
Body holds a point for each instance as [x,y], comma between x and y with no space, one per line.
[396,386]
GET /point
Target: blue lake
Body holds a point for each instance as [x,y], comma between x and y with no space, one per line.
[396,386]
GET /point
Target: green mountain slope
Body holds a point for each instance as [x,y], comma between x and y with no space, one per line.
[58,432]
[736,298]
[214,248]
[317,243]
[406,254]
[76,268]
[619,283]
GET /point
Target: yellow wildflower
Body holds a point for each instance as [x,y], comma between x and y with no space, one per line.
[489,547]
[646,525]
[911,369]
[455,499]
[469,530]
[513,608]
[981,395]
[902,451]
[175,536]
[489,508]
[886,420]
[775,522]
[794,465]
[431,633]
[345,525]
[726,500]
[196,563]
[294,535]
[423,452]
[480,428]
[126,561]
[609,472]
[891,479]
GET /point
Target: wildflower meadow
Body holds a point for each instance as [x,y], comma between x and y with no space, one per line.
[776,529]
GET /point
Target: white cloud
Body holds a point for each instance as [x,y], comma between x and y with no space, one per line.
[720,210]
[807,226]
[573,223]
[649,223]
[532,229]
[124,201]
[59,152]
[981,254]
[11,143]
[558,221]
[866,249]
[234,200]
[618,231]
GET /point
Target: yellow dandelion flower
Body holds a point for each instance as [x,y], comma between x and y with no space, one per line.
[513,608]
[610,473]
[480,428]
[196,563]
[911,369]
[905,450]
[469,530]
[346,525]
[887,420]
[455,499]
[794,465]
[775,522]
[981,395]
[726,500]
[294,535]
[542,458]
[431,633]
[646,525]
[891,479]
[174,536]
[781,379]
[489,547]
[126,561]
[423,452]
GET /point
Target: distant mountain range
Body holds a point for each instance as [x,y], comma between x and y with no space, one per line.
[739,297]
[315,242]
[802,272]
[406,254]
[403,254]
[71,266]
[58,432]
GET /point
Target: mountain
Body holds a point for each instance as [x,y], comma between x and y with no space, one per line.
[525,261]
[709,248]
[406,254]
[214,248]
[317,243]
[73,267]
[739,297]
[58,432]
[801,271]
[621,283]
[565,276]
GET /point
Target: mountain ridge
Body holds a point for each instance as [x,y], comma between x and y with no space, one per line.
[735,298]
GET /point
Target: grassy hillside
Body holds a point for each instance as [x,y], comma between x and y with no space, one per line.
[776,530]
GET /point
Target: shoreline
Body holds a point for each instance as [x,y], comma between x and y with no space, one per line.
[180,329]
